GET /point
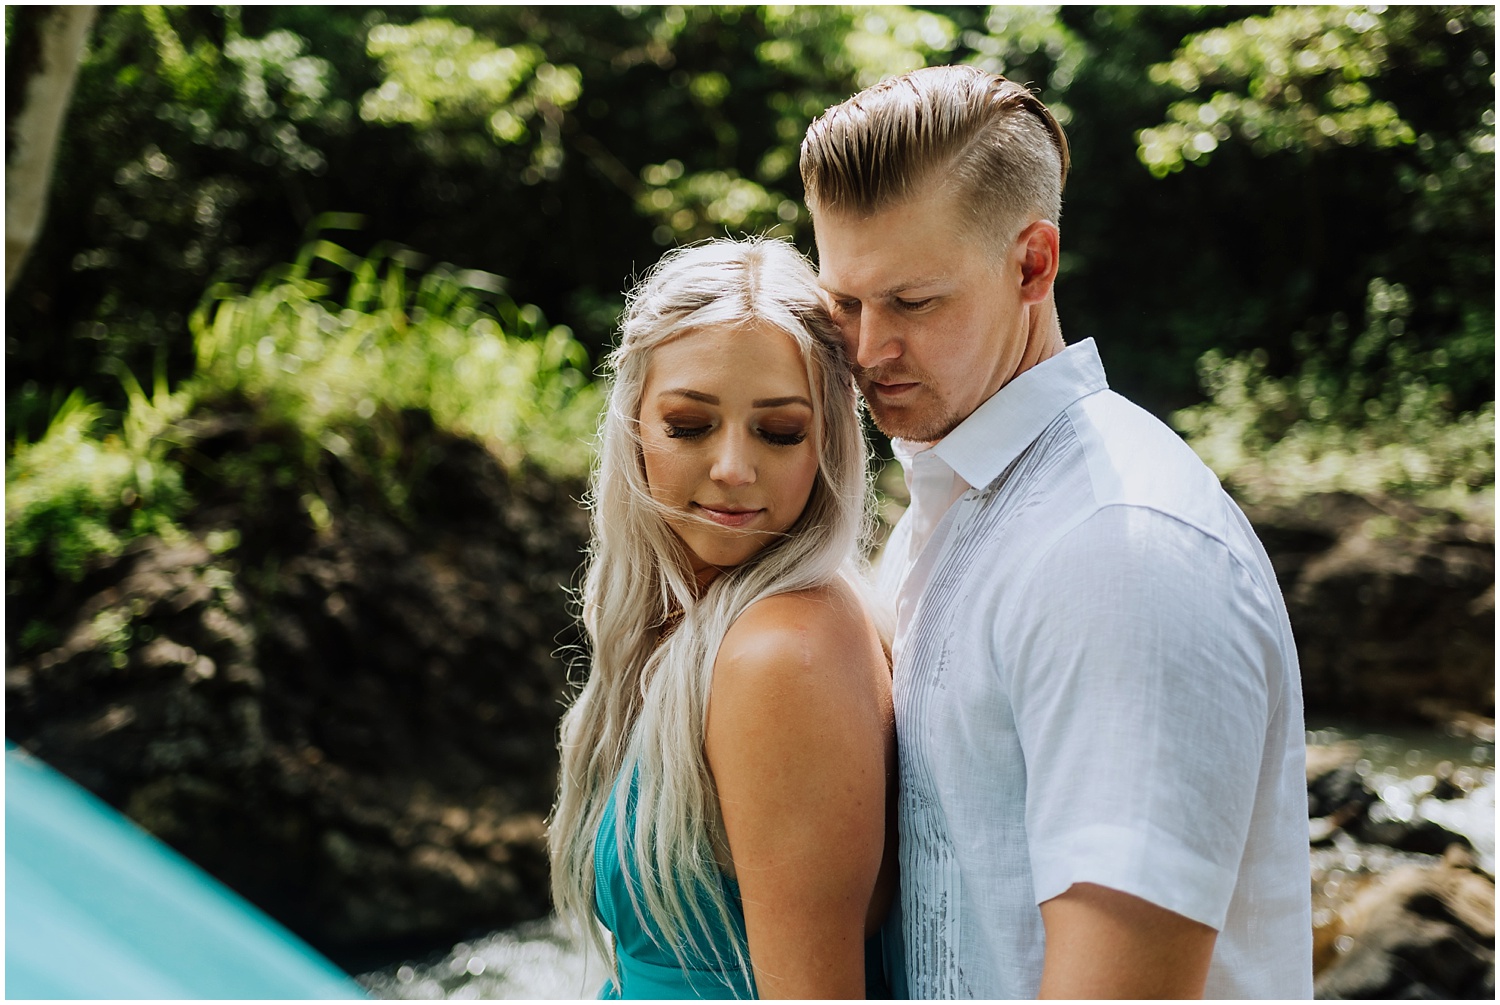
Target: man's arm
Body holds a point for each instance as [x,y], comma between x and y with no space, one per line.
[1102,943]
[1148,715]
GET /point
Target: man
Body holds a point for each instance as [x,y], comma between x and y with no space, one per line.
[1097,697]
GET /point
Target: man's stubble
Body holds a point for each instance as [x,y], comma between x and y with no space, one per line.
[926,420]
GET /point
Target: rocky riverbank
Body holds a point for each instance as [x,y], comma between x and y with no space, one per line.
[1403,903]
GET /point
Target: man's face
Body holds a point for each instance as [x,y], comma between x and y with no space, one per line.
[932,318]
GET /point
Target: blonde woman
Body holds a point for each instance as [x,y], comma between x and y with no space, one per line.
[728,767]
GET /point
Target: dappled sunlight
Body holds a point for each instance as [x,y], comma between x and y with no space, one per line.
[1293,79]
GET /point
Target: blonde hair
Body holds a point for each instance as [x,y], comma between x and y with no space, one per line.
[988,140]
[643,709]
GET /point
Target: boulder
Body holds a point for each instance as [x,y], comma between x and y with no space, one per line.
[1392,604]
[1338,799]
[1335,788]
[1416,932]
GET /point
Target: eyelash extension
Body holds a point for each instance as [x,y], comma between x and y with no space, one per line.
[775,439]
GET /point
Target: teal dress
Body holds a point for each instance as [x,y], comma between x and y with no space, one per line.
[648,969]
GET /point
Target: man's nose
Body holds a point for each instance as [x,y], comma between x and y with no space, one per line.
[734,461]
[872,340]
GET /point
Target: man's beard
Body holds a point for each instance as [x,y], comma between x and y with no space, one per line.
[920,424]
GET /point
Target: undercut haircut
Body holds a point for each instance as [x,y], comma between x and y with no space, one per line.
[987,141]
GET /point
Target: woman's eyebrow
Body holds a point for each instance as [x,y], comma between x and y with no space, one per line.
[710,399]
[683,392]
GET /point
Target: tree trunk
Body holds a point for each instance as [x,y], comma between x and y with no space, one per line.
[45,48]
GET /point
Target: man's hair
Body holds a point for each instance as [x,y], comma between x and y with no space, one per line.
[987,140]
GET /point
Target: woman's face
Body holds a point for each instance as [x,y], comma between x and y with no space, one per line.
[729,441]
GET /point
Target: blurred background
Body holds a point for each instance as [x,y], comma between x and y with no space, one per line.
[301,378]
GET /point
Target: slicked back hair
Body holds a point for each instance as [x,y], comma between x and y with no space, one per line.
[986,140]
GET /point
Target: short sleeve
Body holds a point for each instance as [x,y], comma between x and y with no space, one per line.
[1138,665]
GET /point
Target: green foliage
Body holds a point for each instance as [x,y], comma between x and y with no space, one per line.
[182,131]
[1016,39]
[452,83]
[1386,429]
[329,375]
[821,54]
[862,44]
[447,342]
[81,490]
[563,147]
[705,204]
[1391,109]
[1292,80]
[438,73]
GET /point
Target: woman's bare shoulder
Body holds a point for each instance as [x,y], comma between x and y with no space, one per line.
[822,631]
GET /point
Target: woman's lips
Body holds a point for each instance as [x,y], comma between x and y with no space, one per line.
[729,516]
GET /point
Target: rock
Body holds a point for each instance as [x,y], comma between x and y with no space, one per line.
[1334,787]
[1449,783]
[1339,800]
[353,726]
[1416,932]
[1392,605]
[1416,835]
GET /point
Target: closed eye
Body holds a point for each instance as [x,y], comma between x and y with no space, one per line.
[782,439]
[914,305]
[677,432]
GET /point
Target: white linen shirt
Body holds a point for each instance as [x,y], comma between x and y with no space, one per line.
[1095,681]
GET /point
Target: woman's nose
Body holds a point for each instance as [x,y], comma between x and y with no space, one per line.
[734,463]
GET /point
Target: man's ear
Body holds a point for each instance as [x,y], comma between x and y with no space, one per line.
[1038,247]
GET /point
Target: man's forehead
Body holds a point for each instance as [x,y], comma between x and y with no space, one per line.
[893,285]
[891,249]
[871,264]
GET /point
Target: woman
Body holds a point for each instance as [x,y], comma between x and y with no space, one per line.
[728,767]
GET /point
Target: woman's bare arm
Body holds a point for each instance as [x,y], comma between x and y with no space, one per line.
[799,742]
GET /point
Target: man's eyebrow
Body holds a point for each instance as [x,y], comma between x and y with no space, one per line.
[890,291]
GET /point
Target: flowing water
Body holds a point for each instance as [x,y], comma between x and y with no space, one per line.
[1402,766]
[537,959]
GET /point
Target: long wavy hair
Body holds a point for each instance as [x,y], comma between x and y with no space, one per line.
[642,712]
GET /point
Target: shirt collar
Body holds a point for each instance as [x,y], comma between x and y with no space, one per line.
[984,444]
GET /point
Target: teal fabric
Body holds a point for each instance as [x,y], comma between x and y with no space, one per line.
[97,908]
[648,968]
